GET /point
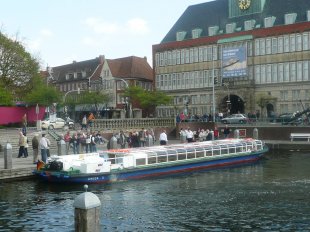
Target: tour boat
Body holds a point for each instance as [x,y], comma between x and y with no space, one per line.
[145,162]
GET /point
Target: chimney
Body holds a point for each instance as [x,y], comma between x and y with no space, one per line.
[101,59]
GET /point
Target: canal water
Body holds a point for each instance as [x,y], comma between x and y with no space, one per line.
[272,195]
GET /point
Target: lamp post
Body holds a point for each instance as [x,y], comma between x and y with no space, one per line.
[78,90]
[228,103]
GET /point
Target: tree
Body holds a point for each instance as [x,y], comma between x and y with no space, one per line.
[94,98]
[41,93]
[148,100]
[6,98]
[17,67]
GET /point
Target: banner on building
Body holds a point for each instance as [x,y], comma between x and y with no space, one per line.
[234,62]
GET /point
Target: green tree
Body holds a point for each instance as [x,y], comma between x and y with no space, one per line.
[6,98]
[17,67]
[94,98]
[41,93]
[148,100]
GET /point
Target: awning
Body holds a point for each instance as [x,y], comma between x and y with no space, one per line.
[235,39]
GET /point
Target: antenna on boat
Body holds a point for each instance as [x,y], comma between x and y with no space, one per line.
[85,187]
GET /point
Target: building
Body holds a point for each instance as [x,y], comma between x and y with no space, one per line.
[239,53]
[111,76]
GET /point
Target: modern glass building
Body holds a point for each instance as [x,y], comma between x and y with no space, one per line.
[230,56]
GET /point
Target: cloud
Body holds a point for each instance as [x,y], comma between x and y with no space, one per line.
[100,26]
[36,44]
[46,33]
[138,26]
[135,26]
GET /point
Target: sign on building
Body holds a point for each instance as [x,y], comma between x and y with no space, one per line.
[234,62]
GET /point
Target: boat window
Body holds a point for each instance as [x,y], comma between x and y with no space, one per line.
[151,160]
[190,153]
[172,155]
[216,150]
[199,152]
[119,160]
[162,158]
[239,149]
[208,152]
[111,158]
[232,150]
[182,156]
[141,161]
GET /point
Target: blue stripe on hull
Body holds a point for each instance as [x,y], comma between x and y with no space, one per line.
[149,171]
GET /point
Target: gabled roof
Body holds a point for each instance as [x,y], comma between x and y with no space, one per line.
[92,68]
[131,67]
[216,13]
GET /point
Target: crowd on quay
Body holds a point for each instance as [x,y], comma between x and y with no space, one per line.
[187,135]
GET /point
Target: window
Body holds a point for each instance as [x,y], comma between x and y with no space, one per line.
[280,73]
[286,72]
[257,74]
[305,41]
[308,15]
[196,33]
[262,47]
[214,53]
[230,28]
[298,42]
[263,74]
[191,55]
[196,55]
[181,35]
[299,71]
[292,43]
[284,95]
[182,56]
[268,46]
[305,71]
[286,43]
[280,45]
[187,52]
[249,25]
[293,71]
[200,54]
[274,45]
[269,21]
[274,77]
[284,108]
[268,73]
[213,30]
[178,58]
[290,18]
[296,94]
[257,53]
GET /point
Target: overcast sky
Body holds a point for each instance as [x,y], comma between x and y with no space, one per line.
[60,31]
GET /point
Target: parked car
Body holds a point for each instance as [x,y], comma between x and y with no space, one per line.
[235,118]
[59,123]
[286,119]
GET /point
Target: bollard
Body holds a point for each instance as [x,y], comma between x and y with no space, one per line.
[113,142]
[62,149]
[255,133]
[236,134]
[87,212]
[8,156]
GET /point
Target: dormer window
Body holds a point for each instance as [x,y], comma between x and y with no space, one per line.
[196,33]
[213,30]
[69,76]
[249,25]
[269,21]
[181,35]
[230,28]
[290,18]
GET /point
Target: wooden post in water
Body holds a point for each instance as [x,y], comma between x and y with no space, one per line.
[87,212]
[8,156]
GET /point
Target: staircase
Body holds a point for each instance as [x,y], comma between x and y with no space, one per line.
[12,136]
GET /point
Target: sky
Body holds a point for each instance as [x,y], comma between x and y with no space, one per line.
[57,32]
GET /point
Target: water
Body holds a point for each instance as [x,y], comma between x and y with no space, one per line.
[272,195]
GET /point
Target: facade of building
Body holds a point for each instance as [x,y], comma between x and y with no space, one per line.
[111,76]
[235,54]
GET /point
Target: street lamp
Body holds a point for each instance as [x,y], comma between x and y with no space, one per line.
[228,103]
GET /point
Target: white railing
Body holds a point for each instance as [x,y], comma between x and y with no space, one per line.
[132,123]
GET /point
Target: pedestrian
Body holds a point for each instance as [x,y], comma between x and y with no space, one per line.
[75,143]
[216,133]
[93,142]
[35,148]
[21,143]
[122,139]
[142,135]
[91,119]
[67,139]
[84,123]
[189,136]
[87,142]
[163,140]
[43,146]
[26,145]
[226,132]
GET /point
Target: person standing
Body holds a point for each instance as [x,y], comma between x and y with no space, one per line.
[226,132]
[43,146]
[35,148]
[93,142]
[216,133]
[122,139]
[189,136]
[163,140]
[21,143]
[75,143]
[26,145]
[67,139]
[84,123]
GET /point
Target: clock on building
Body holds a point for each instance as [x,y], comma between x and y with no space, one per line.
[244,4]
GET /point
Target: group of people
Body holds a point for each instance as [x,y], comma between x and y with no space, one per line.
[139,138]
[87,121]
[81,142]
[203,135]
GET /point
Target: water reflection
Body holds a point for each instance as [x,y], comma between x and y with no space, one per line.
[271,195]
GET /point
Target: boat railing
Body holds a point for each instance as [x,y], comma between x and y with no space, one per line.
[166,154]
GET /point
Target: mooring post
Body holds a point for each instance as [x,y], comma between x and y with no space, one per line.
[255,133]
[236,134]
[8,164]
[87,212]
